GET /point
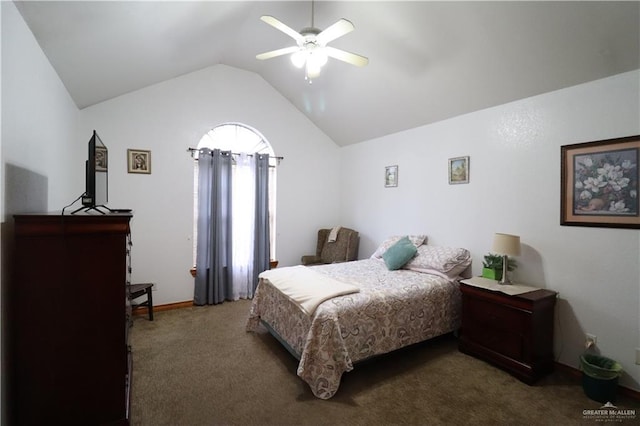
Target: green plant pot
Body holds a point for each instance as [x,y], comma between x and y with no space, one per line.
[492,274]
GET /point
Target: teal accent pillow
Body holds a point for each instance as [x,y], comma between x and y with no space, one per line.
[398,254]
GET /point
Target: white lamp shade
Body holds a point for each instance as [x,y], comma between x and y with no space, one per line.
[313,70]
[506,244]
[299,58]
[318,55]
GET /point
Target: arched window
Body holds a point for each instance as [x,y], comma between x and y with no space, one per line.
[238,138]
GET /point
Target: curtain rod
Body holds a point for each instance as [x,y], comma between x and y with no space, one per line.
[192,150]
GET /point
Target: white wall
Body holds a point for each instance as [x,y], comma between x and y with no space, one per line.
[514,188]
[169,117]
[39,119]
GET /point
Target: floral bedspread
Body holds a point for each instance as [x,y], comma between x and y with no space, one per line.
[393,309]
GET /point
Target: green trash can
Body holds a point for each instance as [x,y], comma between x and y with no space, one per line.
[600,377]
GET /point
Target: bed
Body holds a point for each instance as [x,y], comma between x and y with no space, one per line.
[388,310]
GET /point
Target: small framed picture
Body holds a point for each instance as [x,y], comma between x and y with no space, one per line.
[138,161]
[102,159]
[458,170]
[390,176]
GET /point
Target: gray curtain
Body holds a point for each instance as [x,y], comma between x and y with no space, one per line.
[261,254]
[213,257]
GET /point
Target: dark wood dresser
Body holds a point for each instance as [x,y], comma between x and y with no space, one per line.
[68,357]
[514,333]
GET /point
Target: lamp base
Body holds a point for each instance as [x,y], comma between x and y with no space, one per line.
[505,268]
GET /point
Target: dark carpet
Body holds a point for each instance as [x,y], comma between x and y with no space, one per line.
[198,366]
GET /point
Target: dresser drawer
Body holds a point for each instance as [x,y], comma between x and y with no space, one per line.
[493,316]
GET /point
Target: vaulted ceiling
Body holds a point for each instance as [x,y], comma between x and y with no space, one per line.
[429,61]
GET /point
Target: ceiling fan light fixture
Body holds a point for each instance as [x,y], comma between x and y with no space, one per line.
[318,56]
[312,70]
[299,58]
[312,58]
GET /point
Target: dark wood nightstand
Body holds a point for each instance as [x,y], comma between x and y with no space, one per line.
[513,332]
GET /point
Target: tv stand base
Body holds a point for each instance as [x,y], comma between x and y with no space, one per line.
[96,208]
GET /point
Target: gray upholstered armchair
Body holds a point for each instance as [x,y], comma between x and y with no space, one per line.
[343,249]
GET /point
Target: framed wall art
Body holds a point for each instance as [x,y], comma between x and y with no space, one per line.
[458,170]
[138,161]
[599,183]
[390,176]
[102,159]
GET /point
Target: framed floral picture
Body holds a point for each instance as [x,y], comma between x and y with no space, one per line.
[599,183]
[458,170]
[390,176]
[138,161]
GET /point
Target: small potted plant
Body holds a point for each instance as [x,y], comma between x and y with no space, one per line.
[492,266]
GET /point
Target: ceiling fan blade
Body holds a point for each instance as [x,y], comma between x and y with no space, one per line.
[348,57]
[279,52]
[336,30]
[284,28]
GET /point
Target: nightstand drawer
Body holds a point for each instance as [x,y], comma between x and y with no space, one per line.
[493,316]
[507,343]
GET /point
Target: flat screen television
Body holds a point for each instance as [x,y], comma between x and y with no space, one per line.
[96,175]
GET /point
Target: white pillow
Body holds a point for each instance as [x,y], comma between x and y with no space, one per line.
[447,261]
[416,240]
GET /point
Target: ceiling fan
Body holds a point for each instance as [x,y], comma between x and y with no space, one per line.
[311,51]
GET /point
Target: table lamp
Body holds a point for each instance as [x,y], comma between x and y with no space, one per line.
[506,245]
